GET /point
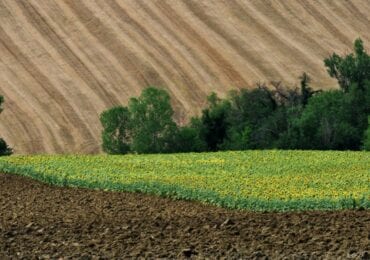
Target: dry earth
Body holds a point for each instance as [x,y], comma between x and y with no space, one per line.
[62,62]
[40,221]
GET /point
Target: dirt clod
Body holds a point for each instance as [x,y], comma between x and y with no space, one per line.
[227,222]
[188,252]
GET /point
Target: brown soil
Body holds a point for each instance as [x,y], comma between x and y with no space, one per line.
[37,220]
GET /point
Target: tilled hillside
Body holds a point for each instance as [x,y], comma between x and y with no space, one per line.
[62,62]
[40,221]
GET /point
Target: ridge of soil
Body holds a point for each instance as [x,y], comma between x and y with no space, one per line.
[42,221]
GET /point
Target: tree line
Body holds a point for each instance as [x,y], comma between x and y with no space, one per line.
[266,117]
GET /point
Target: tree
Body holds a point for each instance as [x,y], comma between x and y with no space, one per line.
[353,74]
[4,148]
[261,118]
[237,139]
[152,127]
[289,138]
[326,124]
[247,119]
[116,134]
[213,122]
[350,69]
[306,91]
[189,139]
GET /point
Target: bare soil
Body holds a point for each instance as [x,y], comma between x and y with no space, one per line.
[41,221]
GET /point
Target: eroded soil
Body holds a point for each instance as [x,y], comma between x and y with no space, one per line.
[40,221]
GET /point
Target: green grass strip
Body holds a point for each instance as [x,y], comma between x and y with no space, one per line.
[219,195]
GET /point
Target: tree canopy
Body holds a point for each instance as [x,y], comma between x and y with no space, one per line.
[265,117]
[151,122]
[116,130]
[145,126]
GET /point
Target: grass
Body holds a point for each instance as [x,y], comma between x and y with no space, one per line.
[254,180]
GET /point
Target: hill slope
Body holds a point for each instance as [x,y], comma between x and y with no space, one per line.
[63,62]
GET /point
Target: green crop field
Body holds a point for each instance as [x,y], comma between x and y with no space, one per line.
[253,180]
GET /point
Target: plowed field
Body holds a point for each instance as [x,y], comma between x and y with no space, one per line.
[62,62]
[37,220]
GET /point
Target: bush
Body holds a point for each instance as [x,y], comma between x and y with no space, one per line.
[4,148]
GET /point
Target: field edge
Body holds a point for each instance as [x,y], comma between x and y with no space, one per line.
[206,197]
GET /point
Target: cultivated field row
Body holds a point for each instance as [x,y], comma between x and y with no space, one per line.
[252,180]
[63,62]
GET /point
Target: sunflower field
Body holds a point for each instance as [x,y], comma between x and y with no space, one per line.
[270,180]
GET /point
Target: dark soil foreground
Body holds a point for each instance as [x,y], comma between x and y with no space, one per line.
[41,221]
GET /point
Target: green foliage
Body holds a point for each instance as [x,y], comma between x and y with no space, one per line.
[367,137]
[290,137]
[306,91]
[213,122]
[248,118]
[326,123]
[351,69]
[333,120]
[152,127]
[145,126]
[252,106]
[253,180]
[4,148]
[353,74]
[116,130]
[237,139]
[188,139]
[261,118]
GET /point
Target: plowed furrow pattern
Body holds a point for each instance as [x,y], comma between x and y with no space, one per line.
[63,62]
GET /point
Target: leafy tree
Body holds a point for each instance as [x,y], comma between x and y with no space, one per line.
[353,74]
[189,139]
[236,139]
[4,148]
[290,137]
[116,130]
[358,100]
[213,122]
[326,123]
[272,128]
[286,117]
[350,69]
[265,117]
[248,118]
[152,127]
